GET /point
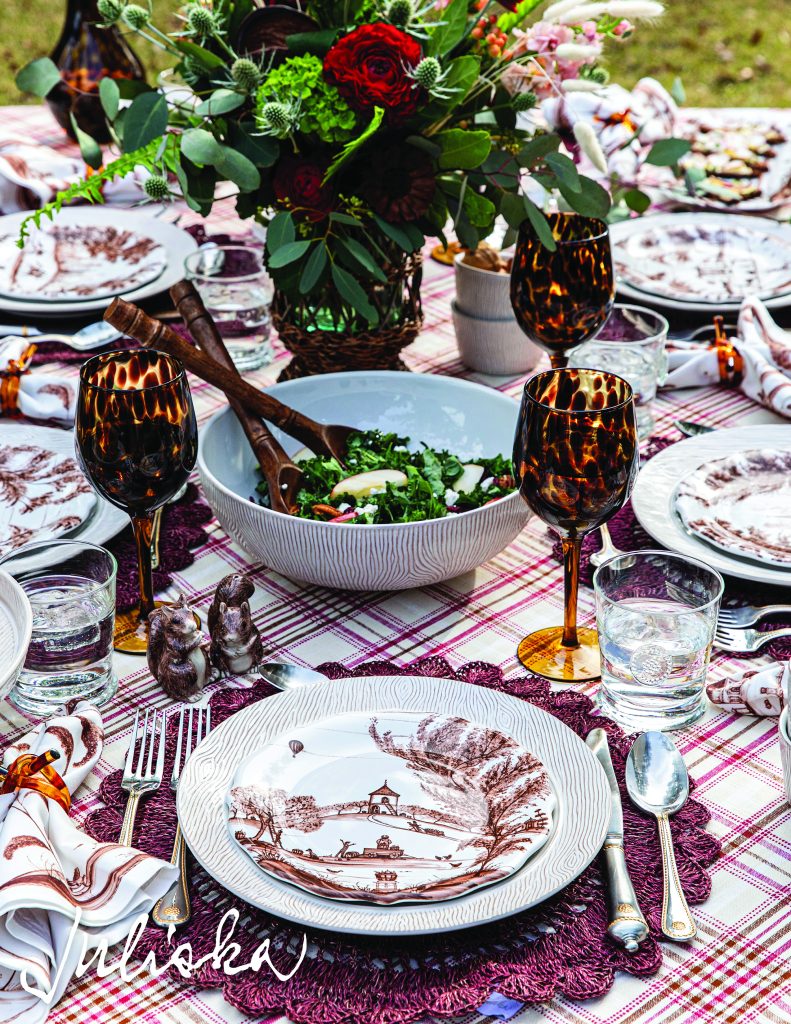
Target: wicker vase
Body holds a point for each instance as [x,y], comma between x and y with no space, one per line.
[327,336]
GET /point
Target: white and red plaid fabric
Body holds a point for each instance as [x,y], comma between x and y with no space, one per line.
[739,968]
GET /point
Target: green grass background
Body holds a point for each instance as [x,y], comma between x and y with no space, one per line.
[727,53]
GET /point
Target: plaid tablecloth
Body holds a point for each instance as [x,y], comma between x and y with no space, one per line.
[739,967]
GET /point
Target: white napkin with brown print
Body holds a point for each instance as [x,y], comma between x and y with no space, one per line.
[31,174]
[763,691]
[765,349]
[51,874]
[40,396]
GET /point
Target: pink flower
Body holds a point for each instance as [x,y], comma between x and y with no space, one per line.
[589,29]
[622,28]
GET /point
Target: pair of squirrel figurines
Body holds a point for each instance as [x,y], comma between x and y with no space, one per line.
[183,659]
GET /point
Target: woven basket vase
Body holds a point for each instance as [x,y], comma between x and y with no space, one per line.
[318,350]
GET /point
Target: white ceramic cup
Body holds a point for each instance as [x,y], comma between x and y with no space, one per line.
[482,294]
[499,347]
[784,738]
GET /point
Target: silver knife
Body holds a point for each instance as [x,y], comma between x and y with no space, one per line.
[626,922]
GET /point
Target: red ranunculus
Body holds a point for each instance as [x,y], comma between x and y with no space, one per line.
[297,181]
[370,68]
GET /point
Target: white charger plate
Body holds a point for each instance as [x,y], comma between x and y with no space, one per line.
[653,499]
[104,522]
[776,235]
[576,778]
[16,627]
[178,245]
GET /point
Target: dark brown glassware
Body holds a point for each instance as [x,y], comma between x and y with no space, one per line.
[563,298]
[84,54]
[137,440]
[576,456]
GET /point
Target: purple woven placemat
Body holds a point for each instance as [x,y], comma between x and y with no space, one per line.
[628,535]
[559,947]
[181,531]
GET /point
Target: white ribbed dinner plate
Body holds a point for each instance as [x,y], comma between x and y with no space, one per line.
[577,780]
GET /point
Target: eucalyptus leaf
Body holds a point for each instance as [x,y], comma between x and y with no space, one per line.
[145,120]
[637,200]
[540,224]
[363,258]
[463,150]
[128,88]
[238,169]
[537,148]
[201,147]
[263,150]
[345,218]
[39,77]
[352,291]
[281,231]
[564,170]
[210,61]
[500,168]
[90,150]
[591,201]
[313,269]
[479,210]
[311,42]
[667,152]
[394,233]
[286,254]
[110,96]
[221,101]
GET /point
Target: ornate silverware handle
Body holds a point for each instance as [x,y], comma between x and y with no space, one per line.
[677,922]
[626,922]
[125,837]
[174,907]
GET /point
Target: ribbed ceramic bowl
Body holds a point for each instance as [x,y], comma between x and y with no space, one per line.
[465,418]
[499,347]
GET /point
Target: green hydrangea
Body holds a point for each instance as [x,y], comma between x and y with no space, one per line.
[321,110]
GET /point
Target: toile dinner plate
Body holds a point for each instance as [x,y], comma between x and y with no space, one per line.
[741,503]
[16,628]
[38,469]
[170,247]
[654,496]
[391,807]
[697,261]
[576,782]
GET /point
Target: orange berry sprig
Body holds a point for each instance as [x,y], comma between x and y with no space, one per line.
[487,32]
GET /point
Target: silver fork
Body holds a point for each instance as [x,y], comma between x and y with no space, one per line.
[147,776]
[746,641]
[174,907]
[749,614]
[607,551]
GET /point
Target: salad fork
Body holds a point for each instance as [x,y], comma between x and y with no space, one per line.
[174,907]
[147,776]
[746,641]
[607,550]
[748,615]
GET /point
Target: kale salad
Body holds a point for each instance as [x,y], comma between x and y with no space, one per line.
[384,482]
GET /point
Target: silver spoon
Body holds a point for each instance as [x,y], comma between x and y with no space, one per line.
[289,677]
[691,429]
[607,550]
[87,338]
[657,782]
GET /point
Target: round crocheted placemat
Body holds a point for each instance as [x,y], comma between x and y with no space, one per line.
[559,947]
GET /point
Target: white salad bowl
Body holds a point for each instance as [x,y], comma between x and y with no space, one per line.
[467,419]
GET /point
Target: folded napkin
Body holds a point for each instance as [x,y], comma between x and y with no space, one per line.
[758,692]
[50,871]
[31,175]
[35,395]
[765,351]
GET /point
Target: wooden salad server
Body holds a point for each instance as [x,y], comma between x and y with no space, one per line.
[322,438]
[281,474]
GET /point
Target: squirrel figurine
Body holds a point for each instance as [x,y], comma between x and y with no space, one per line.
[236,646]
[177,653]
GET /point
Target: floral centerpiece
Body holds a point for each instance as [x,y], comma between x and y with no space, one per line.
[354,129]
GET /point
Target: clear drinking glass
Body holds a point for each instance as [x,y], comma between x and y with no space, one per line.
[71,588]
[237,292]
[632,345]
[656,614]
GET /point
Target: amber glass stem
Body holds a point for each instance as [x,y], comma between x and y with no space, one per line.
[143,527]
[558,360]
[571,580]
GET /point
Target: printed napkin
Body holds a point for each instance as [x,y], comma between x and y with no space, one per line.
[51,874]
[765,349]
[39,396]
[761,691]
[31,175]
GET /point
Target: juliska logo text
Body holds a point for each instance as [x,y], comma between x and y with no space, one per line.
[222,957]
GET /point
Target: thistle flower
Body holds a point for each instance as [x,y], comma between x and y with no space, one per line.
[245,73]
[427,73]
[135,16]
[201,22]
[110,11]
[399,12]
[156,187]
[276,119]
[595,73]
[589,144]
[523,101]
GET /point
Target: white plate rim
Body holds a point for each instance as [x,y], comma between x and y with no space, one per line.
[575,775]
[24,629]
[177,243]
[104,522]
[626,228]
[654,496]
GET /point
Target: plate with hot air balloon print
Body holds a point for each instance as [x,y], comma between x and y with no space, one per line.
[391,807]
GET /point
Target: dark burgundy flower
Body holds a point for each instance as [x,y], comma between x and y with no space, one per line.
[297,182]
[399,183]
[370,68]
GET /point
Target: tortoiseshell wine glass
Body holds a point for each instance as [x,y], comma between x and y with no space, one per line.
[563,298]
[576,457]
[137,440]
